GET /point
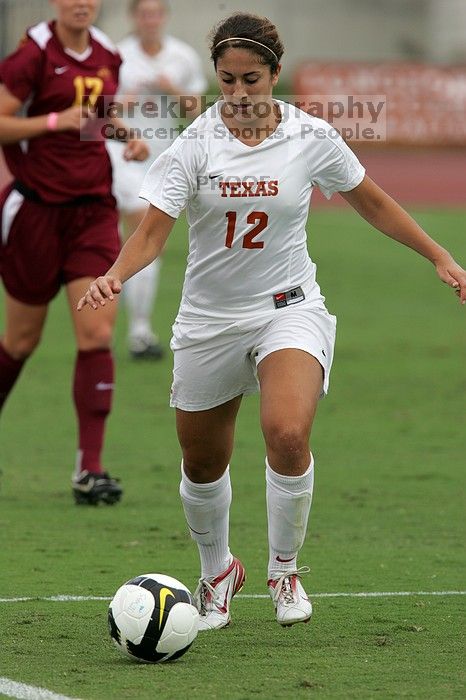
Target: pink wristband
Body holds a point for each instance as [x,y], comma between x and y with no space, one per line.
[52,121]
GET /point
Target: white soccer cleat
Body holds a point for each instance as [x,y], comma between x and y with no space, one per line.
[291,602]
[212,596]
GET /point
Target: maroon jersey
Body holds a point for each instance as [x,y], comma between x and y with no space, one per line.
[60,166]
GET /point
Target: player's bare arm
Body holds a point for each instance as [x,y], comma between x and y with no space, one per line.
[382,212]
[13,128]
[136,149]
[145,244]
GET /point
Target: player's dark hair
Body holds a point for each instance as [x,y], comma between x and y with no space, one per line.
[254,27]
[133,5]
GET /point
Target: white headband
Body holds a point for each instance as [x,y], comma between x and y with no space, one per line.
[253,41]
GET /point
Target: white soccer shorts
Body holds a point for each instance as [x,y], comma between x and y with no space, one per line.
[128,176]
[216,361]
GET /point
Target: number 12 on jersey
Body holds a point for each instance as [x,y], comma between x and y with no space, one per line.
[259,218]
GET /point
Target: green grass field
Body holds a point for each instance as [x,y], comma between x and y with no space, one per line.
[390,445]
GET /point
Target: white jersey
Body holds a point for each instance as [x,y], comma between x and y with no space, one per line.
[176,61]
[247,209]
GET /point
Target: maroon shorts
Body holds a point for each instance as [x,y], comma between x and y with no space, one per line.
[44,245]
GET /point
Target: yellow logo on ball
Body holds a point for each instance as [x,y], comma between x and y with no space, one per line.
[164,593]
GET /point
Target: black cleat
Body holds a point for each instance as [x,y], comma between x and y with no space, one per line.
[91,489]
[150,352]
[146,347]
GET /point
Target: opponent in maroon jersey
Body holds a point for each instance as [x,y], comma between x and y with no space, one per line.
[58,218]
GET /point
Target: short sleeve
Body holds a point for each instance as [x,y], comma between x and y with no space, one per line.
[20,72]
[171,179]
[334,168]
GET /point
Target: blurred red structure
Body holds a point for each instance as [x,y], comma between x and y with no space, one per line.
[422,157]
[425,104]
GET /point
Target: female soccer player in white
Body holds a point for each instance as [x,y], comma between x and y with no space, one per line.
[251,310]
[154,65]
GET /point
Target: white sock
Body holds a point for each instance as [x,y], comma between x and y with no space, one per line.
[207,510]
[288,505]
[140,292]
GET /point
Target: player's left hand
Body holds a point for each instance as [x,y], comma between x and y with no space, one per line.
[136,149]
[101,289]
[452,274]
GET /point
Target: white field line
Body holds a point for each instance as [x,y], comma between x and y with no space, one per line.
[22,691]
[13,689]
[244,596]
[368,594]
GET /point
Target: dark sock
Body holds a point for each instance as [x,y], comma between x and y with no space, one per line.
[92,393]
[9,372]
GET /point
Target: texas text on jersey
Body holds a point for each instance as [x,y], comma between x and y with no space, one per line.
[247,209]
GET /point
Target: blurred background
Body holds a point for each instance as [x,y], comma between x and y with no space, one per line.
[357,30]
[409,53]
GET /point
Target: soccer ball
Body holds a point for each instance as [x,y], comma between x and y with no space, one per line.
[152,618]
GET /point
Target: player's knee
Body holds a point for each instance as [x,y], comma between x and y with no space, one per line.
[22,345]
[288,442]
[97,337]
[204,470]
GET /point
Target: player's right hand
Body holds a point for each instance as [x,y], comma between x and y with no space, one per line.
[99,291]
[73,118]
[452,274]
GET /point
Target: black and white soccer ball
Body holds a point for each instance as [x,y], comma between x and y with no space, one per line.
[152,618]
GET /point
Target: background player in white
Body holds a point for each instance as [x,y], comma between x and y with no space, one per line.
[251,306]
[154,64]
